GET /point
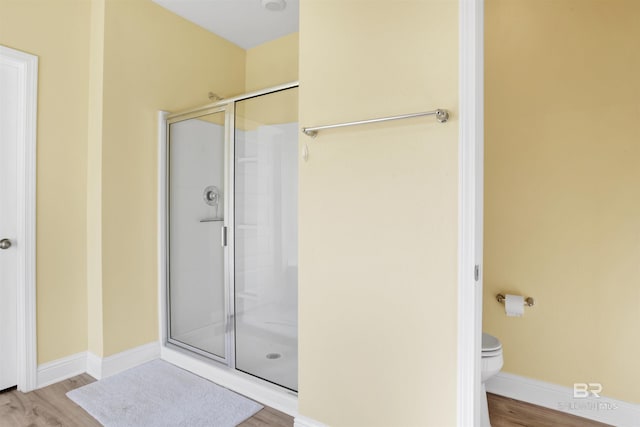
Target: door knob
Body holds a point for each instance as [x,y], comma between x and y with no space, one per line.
[5,244]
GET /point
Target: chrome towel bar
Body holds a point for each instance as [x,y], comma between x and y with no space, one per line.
[441,115]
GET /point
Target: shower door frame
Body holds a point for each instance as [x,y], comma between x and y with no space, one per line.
[228,225]
[273,394]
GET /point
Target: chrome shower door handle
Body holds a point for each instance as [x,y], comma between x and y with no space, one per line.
[223,236]
[5,244]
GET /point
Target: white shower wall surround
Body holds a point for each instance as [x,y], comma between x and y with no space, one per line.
[236,305]
[266,252]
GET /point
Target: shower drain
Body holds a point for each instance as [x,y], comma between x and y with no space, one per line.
[274,355]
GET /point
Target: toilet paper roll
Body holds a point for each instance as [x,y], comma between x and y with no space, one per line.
[514,305]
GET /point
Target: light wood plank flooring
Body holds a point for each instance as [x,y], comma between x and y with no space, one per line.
[49,406]
[505,412]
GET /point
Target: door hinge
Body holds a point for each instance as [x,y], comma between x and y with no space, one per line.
[476,272]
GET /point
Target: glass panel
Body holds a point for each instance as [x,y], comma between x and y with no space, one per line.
[266,237]
[196,209]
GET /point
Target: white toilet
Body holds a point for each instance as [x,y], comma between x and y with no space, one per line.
[491,365]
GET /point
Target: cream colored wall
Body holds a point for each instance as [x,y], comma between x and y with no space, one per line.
[58,33]
[562,208]
[94,180]
[272,63]
[378,214]
[153,60]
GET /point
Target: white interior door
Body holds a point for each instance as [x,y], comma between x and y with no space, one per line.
[9,137]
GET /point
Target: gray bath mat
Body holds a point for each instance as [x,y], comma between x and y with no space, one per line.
[158,394]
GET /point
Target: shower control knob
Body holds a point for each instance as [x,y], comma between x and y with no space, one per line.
[5,244]
[211,195]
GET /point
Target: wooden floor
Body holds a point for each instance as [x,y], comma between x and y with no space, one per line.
[505,412]
[50,406]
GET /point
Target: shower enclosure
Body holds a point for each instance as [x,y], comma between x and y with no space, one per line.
[232,233]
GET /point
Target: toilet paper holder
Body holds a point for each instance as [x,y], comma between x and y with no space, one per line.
[528,301]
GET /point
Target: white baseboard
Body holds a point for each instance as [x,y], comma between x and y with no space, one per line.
[246,385]
[76,364]
[131,358]
[61,369]
[301,421]
[105,367]
[559,398]
[94,365]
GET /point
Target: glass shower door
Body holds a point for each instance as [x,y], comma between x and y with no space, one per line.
[196,278]
[266,236]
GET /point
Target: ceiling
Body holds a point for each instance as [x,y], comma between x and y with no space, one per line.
[243,22]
